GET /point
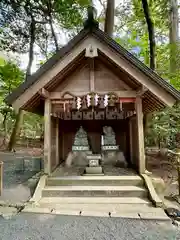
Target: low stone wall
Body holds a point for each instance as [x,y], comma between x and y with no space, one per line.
[20,162]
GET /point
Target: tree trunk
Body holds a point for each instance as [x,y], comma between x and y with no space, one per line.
[152,44]
[109,20]
[173,34]
[53,34]
[49,7]
[31,47]
[5,129]
[16,130]
[150,26]
[19,117]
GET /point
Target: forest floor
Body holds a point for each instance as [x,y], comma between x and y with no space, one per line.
[160,166]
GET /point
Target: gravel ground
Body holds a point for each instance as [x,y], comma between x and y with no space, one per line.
[26,226]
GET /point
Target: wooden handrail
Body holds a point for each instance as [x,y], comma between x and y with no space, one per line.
[1,177]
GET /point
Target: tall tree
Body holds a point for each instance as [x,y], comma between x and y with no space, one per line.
[173,35]
[150,26]
[32,31]
[22,27]
[10,76]
[50,19]
[109,18]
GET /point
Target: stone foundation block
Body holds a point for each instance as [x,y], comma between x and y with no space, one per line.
[115,158]
[94,170]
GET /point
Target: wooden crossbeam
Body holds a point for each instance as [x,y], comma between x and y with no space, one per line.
[121,94]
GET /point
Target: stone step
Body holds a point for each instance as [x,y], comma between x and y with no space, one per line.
[135,211]
[94,191]
[95,200]
[98,207]
[95,180]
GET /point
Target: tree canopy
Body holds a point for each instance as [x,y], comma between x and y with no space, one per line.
[36,29]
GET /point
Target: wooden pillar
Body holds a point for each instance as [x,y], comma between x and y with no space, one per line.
[131,140]
[140,135]
[47,136]
[57,142]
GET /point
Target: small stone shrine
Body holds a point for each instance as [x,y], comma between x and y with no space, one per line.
[80,150]
[110,150]
[81,141]
[109,139]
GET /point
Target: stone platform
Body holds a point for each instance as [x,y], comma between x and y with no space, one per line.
[108,170]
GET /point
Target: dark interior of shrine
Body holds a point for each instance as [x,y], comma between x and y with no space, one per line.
[94,129]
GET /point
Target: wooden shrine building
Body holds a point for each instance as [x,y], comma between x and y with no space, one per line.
[93,82]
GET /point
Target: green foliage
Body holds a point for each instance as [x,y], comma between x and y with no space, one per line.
[162,126]
[11,76]
[15,36]
[70,13]
[130,31]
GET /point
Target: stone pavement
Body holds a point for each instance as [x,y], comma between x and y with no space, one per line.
[52,227]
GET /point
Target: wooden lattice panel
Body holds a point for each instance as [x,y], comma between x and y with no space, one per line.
[99,115]
[110,115]
[77,115]
[67,116]
[88,116]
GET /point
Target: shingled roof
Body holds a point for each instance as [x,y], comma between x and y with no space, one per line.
[102,36]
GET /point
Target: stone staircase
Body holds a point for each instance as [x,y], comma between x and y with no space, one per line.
[102,196]
[95,189]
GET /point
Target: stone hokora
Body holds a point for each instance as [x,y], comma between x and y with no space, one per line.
[80,149]
[111,153]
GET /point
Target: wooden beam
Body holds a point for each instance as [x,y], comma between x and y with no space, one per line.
[140,132]
[57,142]
[44,93]
[121,94]
[91,75]
[47,136]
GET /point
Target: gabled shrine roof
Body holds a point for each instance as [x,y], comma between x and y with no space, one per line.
[103,37]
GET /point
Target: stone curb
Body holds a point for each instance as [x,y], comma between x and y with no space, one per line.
[152,193]
[130,215]
[38,191]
